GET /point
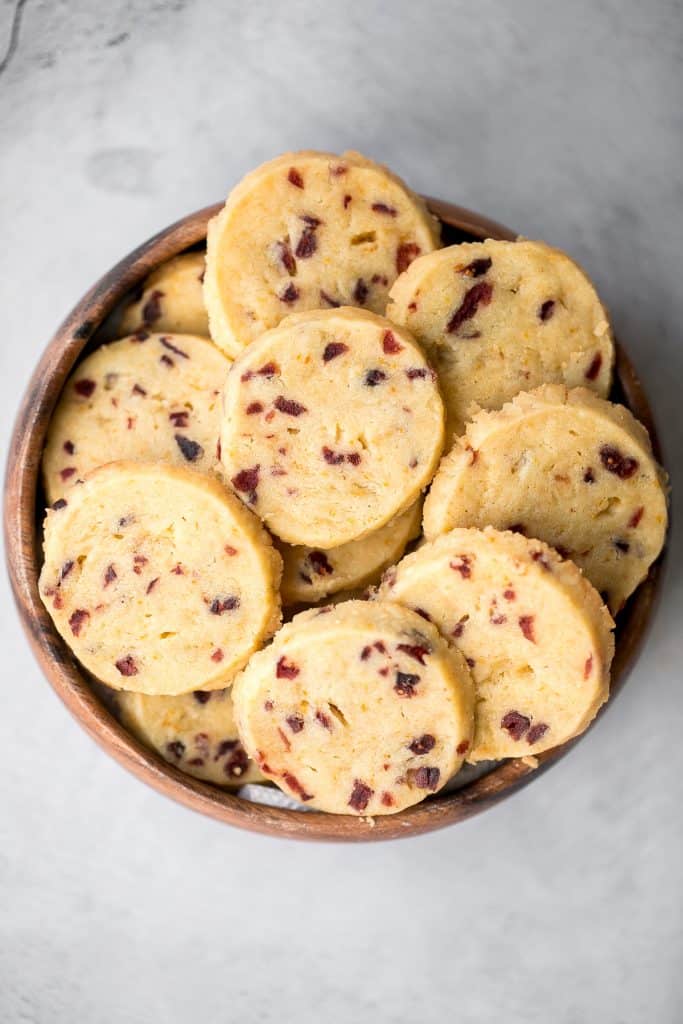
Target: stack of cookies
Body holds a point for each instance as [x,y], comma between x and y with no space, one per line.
[257,446]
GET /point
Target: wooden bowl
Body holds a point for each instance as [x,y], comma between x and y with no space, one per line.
[24,506]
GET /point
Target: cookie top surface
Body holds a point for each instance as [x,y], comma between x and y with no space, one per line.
[170,299]
[159,579]
[310,575]
[534,632]
[149,397]
[305,231]
[567,467]
[357,709]
[497,317]
[333,424]
[196,732]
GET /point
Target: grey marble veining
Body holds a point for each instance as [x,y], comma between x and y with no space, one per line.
[563,904]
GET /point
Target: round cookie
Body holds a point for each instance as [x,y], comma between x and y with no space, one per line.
[333,424]
[535,634]
[195,732]
[496,318]
[307,231]
[171,299]
[566,467]
[159,579]
[150,397]
[310,575]
[360,708]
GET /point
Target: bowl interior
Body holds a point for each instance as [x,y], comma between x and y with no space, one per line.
[261,809]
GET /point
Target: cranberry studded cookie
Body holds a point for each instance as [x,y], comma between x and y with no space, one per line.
[310,575]
[566,467]
[195,732]
[159,579]
[333,424]
[535,634]
[358,709]
[308,231]
[150,397]
[496,318]
[171,299]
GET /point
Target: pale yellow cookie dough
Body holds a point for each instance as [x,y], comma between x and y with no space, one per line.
[307,231]
[534,632]
[310,575]
[333,424]
[195,732]
[158,578]
[149,397]
[171,299]
[567,467]
[357,709]
[496,318]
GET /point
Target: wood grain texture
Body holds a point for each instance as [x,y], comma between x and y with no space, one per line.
[22,524]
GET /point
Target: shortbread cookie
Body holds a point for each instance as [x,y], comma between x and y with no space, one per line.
[534,632]
[171,299]
[196,732]
[357,709]
[308,231]
[567,467]
[150,397]
[496,318]
[333,425]
[310,575]
[159,579]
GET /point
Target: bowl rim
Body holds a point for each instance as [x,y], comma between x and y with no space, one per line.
[22,521]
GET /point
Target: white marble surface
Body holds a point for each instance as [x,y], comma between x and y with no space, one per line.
[563,904]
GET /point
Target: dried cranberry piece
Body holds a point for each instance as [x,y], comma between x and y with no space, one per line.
[331,457]
[290,294]
[594,368]
[166,360]
[138,562]
[220,605]
[540,557]
[459,627]
[405,254]
[246,481]
[334,349]
[324,719]
[237,763]
[69,447]
[515,724]
[201,696]
[173,348]
[354,458]
[151,585]
[289,407]
[286,258]
[635,518]
[110,575]
[509,594]
[546,310]
[84,387]
[622,545]
[217,655]
[360,292]
[307,244]
[425,615]
[346,201]
[425,778]
[405,684]
[320,563]
[65,570]
[588,667]
[615,462]
[416,651]
[418,373]
[463,565]
[423,744]
[374,377]
[537,730]
[176,748]
[253,408]
[127,666]
[179,419]
[59,503]
[589,476]
[389,211]
[294,178]
[390,345]
[478,295]
[295,722]
[360,795]
[477,268]
[151,310]
[191,450]
[286,669]
[526,624]
[365,653]
[77,620]
[328,300]
[462,747]
[387,799]
[295,786]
